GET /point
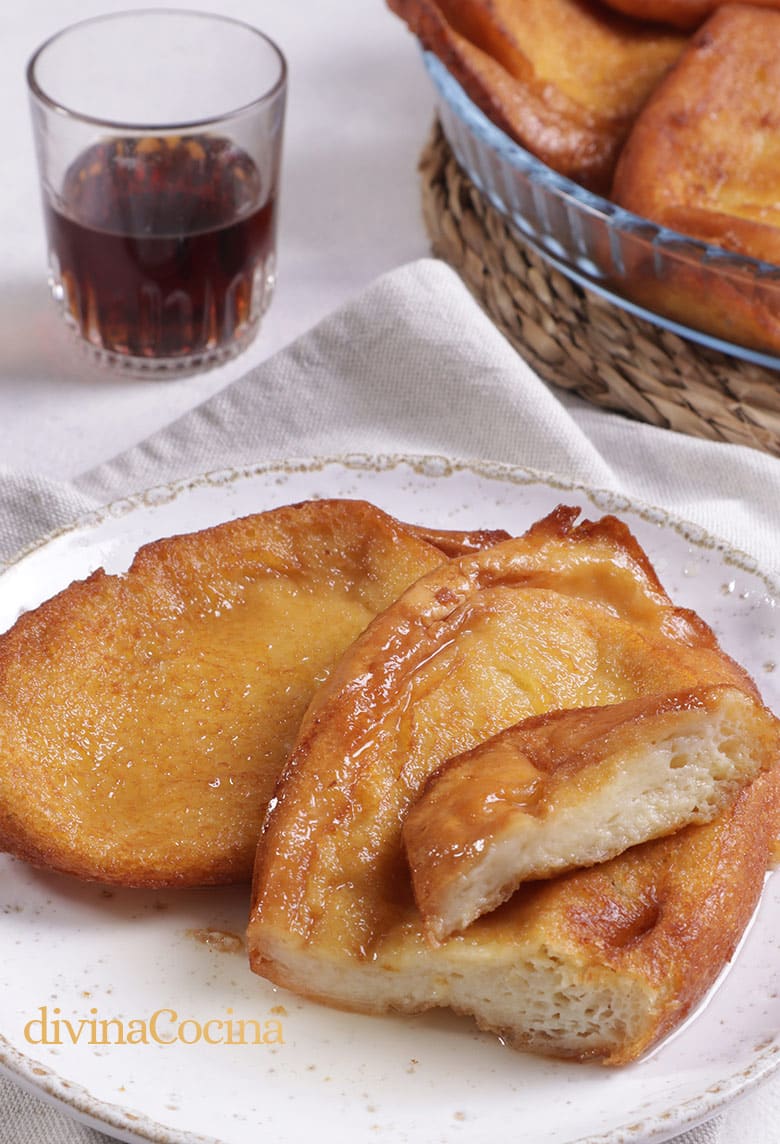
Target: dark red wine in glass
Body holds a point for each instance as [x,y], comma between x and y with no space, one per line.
[163,247]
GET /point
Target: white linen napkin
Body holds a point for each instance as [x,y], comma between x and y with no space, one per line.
[414,366]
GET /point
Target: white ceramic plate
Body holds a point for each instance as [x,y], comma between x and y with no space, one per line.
[84,953]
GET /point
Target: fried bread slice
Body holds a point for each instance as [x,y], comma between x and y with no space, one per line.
[144,717]
[574,788]
[563,617]
[686,14]
[703,159]
[704,155]
[596,965]
[565,78]
[452,542]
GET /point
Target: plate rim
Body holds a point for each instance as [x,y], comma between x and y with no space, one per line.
[426,464]
[127,1124]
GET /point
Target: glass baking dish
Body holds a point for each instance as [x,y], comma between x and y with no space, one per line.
[714,297]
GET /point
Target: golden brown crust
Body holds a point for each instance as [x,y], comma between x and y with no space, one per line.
[572,788]
[672,911]
[144,717]
[686,14]
[656,924]
[668,913]
[703,155]
[703,158]
[562,617]
[565,78]
[452,542]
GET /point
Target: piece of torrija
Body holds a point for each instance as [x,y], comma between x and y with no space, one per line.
[703,159]
[598,963]
[572,788]
[565,78]
[685,14]
[144,717]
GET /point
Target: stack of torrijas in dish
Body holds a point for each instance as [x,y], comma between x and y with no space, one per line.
[668,108]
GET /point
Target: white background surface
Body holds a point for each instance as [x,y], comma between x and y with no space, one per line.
[359,109]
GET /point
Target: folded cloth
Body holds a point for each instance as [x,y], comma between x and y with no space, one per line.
[414,366]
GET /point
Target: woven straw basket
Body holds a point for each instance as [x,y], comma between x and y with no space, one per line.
[576,339]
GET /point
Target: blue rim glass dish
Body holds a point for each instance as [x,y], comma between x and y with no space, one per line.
[592,241]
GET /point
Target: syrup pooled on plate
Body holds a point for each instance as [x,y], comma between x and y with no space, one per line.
[163,247]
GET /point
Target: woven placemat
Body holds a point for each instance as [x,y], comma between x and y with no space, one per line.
[576,339]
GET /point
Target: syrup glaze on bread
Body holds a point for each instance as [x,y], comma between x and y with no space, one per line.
[703,159]
[565,78]
[572,788]
[563,617]
[687,14]
[679,129]
[704,155]
[144,717]
[598,964]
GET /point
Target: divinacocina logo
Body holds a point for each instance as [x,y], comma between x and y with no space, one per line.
[163,1027]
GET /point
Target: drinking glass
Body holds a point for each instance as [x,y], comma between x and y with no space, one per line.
[159,137]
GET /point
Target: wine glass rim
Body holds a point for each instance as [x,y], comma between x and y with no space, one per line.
[156,127]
